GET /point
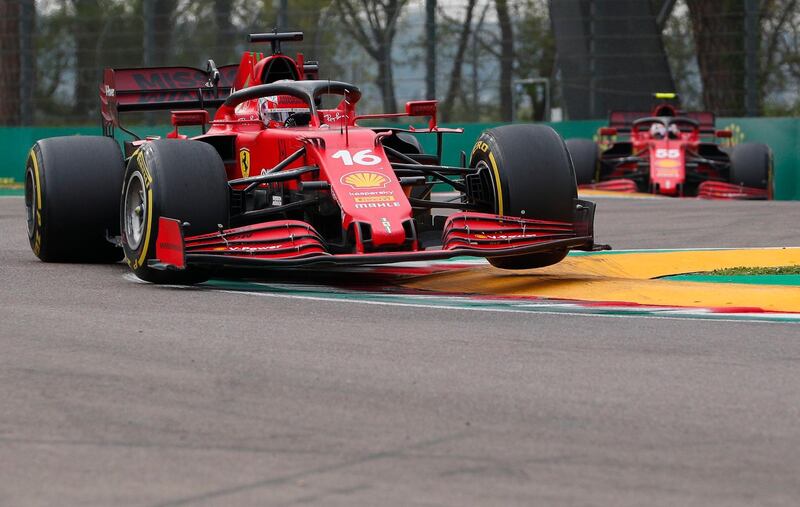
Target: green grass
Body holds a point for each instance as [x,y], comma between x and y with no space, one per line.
[780,275]
[778,270]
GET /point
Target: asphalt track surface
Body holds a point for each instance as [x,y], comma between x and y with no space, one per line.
[118,393]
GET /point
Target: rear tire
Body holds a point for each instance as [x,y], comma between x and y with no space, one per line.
[72,189]
[184,180]
[533,178]
[751,165]
[584,159]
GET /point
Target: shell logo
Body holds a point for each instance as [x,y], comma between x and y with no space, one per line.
[365,179]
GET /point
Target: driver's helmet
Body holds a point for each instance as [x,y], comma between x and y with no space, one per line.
[658,131]
[278,108]
[674,131]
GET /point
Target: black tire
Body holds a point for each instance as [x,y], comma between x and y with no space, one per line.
[751,165]
[533,177]
[178,179]
[72,189]
[584,154]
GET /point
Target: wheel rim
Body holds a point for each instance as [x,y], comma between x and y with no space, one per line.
[482,166]
[30,202]
[135,211]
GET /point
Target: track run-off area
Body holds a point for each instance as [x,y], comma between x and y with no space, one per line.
[597,381]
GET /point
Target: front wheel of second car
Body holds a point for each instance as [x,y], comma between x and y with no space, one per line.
[752,166]
[183,180]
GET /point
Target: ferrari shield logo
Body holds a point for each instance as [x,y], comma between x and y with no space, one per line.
[244,162]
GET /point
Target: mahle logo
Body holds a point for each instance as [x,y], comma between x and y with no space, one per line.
[365,179]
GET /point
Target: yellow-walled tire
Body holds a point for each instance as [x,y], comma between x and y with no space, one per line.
[533,177]
[183,180]
[72,187]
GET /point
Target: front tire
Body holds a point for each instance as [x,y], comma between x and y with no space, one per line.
[751,165]
[184,180]
[72,189]
[533,178]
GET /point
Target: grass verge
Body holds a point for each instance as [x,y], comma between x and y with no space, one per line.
[777,270]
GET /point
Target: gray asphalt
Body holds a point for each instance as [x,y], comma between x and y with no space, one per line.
[117,393]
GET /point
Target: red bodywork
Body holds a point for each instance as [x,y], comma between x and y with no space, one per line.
[684,161]
[330,158]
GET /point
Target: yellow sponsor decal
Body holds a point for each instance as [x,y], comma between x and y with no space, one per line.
[667,163]
[737,136]
[667,173]
[365,179]
[375,198]
[244,162]
[480,145]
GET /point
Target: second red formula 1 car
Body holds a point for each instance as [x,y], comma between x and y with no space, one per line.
[673,153]
[285,175]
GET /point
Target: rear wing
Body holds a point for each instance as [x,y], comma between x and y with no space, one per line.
[162,88]
[622,120]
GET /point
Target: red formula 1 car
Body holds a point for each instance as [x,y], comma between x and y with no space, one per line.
[286,176]
[673,153]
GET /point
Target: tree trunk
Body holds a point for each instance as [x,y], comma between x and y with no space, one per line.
[506,60]
[9,63]
[454,88]
[87,78]
[27,47]
[163,25]
[718,27]
[224,43]
[385,78]
[430,49]
[373,25]
[475,109]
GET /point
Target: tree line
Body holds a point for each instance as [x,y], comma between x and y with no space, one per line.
[469,54]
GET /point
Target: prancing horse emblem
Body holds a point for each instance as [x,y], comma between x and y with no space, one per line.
[244,162]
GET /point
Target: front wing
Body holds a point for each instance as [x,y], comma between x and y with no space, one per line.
[291,243]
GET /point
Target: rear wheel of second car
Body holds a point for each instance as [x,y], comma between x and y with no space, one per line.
[584,156]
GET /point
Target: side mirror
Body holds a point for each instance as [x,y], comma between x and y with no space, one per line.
[723,134]
[608,131]
[189,117]
[423,108]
